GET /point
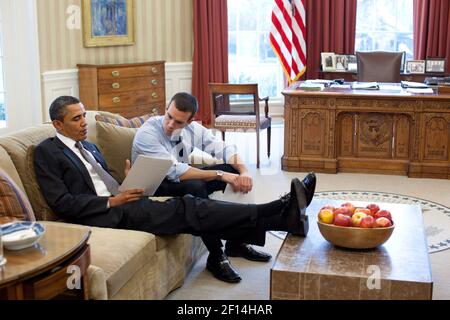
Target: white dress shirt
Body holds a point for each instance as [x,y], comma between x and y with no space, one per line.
[99,185]
[151,140]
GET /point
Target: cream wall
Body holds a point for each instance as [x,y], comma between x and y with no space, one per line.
[164,31]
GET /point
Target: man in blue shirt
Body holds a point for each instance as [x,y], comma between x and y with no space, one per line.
[176,136]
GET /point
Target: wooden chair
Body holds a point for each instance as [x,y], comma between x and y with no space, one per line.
[230,114]
[379,66]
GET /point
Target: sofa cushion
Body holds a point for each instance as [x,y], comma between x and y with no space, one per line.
[43,211]
[19,146]
[8,166]
[115,144]
[120,254]
[13,201]
[90,118]
[135,122]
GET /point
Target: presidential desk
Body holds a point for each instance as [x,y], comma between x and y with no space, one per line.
[387,131]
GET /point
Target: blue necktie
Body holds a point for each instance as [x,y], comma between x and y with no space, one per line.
[181,152]
[111,184]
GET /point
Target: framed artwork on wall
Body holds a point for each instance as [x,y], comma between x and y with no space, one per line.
[108,23]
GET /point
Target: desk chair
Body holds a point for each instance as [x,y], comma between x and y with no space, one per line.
[227,114]
[379,66]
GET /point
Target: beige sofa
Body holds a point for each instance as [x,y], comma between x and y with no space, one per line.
[124,264]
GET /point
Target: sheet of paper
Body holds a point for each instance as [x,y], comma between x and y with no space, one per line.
[410,84]
[387,87]
[322,81]
[420,90]
[146,173]
[340,86]
[365,86]
[230,196]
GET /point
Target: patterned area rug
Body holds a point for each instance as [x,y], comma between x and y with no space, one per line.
[436,216]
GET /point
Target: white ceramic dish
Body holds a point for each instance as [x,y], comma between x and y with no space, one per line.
[21,235]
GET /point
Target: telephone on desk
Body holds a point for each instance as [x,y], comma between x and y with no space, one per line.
[434,81]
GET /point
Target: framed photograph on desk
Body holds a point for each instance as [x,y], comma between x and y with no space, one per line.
[435,65]
[415,66]
[108,23]
[352,64]
[328,61]
[341,62]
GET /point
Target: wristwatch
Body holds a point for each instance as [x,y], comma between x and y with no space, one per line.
[219,174]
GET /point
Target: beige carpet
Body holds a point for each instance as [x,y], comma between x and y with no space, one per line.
[201,285]
[269,183]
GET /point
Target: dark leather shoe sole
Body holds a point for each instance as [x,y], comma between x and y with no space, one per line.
[309,184]
[223,277]
[300,197]
[257,256]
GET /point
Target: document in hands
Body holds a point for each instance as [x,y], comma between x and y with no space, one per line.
[230,196]
[146,173]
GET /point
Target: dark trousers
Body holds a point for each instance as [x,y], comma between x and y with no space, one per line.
[201,189]
[200,217]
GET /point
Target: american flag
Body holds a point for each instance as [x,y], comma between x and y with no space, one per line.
[288,36]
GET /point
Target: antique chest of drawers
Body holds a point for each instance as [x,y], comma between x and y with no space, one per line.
[127,89]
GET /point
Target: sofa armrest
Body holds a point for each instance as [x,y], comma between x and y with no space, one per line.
[97,283]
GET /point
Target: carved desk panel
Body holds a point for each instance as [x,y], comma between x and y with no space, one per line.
[392,132]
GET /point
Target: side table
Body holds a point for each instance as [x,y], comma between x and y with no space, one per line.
[43,271]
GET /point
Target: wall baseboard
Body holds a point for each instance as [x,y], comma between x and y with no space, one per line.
[178,78]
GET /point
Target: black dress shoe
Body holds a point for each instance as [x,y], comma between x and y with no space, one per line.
[309,183]
[221,268]
[246,251]
[295,212]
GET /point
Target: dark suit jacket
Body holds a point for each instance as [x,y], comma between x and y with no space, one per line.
[67,185]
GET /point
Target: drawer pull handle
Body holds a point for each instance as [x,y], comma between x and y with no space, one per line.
[154,95]
[116,85]
[154,82]
[155,111]
[154,70]
[116,100]
[115,74]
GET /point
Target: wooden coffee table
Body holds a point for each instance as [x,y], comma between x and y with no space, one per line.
[311,268]
[42,271]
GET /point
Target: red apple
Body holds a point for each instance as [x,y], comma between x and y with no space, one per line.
[373,208]
[382,223]
[367,222]
[363,210]
[350,206]
[342,220]
[383,214]
[357,218]
[342,210]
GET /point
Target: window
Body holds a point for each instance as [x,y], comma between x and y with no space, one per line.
[251,59]
[2,90]
[385,25]
[20,91]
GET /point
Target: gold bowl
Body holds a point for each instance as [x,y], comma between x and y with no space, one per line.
[355,238]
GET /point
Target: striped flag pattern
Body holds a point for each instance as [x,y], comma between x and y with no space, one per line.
[288,36]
